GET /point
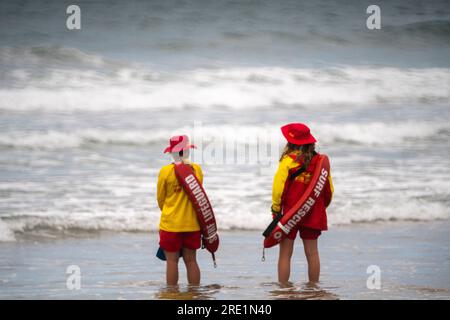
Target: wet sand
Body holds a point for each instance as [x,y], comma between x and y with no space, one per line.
[413,258]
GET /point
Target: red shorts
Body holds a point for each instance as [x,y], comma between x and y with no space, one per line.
[174,241]
[305,233]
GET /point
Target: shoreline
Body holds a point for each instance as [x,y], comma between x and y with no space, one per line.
[413,257]
[47,234]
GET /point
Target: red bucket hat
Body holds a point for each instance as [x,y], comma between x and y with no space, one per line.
[178,143]
[297,133]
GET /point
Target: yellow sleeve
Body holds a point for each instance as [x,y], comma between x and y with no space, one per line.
[330,181]
[198,173]
[161,188]
[279,181]
[329,190]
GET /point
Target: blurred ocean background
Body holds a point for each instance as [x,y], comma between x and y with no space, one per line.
[85,115]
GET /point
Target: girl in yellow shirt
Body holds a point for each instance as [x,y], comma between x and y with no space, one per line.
[179,230]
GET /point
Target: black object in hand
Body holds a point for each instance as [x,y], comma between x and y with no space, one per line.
[272,225]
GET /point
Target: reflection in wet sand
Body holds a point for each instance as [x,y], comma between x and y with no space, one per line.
[188,293]
[307,291]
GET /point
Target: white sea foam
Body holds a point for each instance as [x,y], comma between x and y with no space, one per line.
[239,88]
[6,234]
[52,139]
[388,210]
[327,133]
[257,219]
[124,203]
[369,133]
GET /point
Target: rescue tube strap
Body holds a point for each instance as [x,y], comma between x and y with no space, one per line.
[301,170]
[297,173]
[201,204]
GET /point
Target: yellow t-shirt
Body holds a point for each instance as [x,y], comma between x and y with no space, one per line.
[177,212]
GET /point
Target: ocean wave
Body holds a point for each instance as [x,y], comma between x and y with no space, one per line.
[131,221]
[6,234]
[327,134]
[407,132]
[48,57]
[389,210]
[52,139]
[97,86]
[58,222]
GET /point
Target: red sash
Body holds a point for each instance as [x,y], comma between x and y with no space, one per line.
[304,205]
[193,188]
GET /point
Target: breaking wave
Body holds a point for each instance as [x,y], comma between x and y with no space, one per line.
[73,80]
[327,133]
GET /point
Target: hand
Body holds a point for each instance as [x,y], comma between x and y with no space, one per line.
[274,213]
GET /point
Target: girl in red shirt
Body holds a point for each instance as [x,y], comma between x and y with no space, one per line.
[296,166]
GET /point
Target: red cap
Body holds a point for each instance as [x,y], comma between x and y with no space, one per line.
[297,133]
[178,143]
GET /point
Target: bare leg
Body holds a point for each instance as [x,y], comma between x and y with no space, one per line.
[284,260]
[193,271]
[312,256]
[172,267]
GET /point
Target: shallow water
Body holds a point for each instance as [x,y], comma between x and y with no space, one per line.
[414,259]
